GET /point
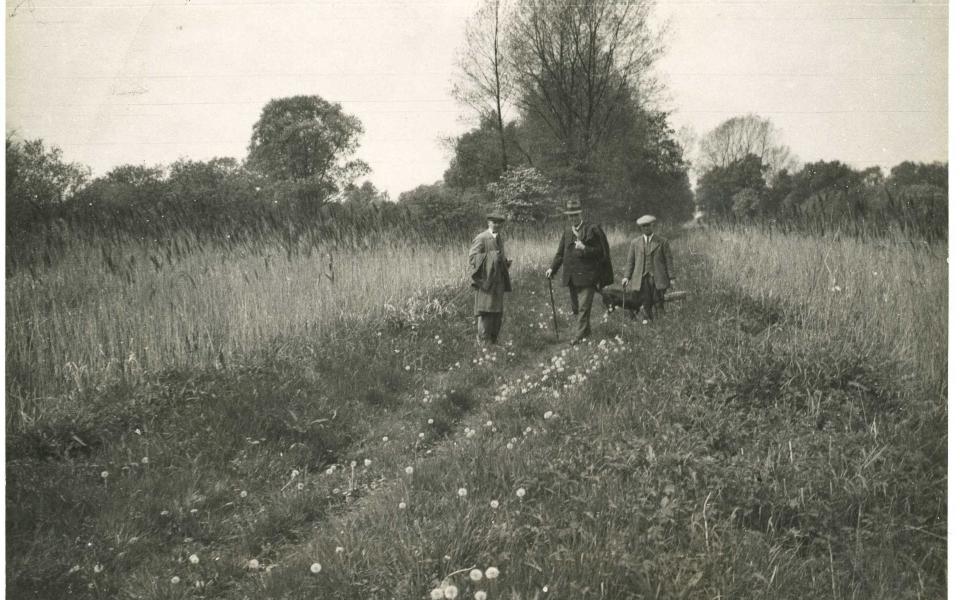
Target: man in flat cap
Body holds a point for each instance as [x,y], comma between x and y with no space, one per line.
[584,255]
[490,276]
[649,267]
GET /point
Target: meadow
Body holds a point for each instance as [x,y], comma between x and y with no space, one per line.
[780,433]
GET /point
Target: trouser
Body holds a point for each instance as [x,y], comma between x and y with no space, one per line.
[488,327]
[581,299]
[650,297]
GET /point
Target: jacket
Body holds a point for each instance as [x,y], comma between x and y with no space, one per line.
[489,271]
[659,262]
[588,267]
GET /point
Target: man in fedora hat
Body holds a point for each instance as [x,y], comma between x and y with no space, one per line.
[649,267]
[584,255]
[490,276]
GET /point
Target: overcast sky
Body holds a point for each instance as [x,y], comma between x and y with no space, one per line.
[132,81]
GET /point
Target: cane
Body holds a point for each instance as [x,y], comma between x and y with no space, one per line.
[553,305]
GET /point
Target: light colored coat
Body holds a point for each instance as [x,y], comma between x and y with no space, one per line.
[654,257]
[489,272]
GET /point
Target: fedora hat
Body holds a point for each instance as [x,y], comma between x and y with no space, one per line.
[572,207]
[646,220]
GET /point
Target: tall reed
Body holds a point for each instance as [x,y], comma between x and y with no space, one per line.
[884,296]
[119,310]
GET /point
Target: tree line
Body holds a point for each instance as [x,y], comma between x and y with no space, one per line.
[564,100]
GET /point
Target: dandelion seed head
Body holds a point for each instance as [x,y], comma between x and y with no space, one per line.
[494,504]
[315,568]
[521,492]
[253,564]
[462,492]
[480,595]
[408,470]
[104,474]
[450,592]
[145,460]
[339,550]
[402,506]
[386,439]
[436,594]
[98,568]
[476,575]
[367,462]
[492,572]
[300,486]
[194,559]
[174,580]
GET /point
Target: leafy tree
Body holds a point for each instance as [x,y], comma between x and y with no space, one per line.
[364,195]
[826,179]
[718,186]
[909,173]
[37,176]
[477,159]
[735,138]
[574,63]
[436,206]
[307,144]
[523,194]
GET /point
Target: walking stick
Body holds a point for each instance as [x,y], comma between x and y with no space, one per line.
[553,305]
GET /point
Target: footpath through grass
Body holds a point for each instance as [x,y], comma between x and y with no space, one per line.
[714,453]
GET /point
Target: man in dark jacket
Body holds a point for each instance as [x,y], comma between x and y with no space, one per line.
[585,257]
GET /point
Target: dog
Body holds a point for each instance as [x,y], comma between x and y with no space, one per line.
[613,297]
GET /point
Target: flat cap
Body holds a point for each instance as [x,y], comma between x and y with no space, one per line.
[646,220]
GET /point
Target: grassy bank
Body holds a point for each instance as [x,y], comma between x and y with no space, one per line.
[732,449]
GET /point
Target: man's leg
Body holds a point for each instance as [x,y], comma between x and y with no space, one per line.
[574,304]
[484,328]
[585,301]
[496,319]
[647,290]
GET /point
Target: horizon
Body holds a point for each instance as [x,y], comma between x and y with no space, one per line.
[115,84]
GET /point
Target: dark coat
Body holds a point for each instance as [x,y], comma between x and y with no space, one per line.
[489,272]
[659,262]
[584,268]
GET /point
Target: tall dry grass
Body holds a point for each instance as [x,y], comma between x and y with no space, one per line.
[120,310]
[888,296]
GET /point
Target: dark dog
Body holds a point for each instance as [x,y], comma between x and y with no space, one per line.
[613,297]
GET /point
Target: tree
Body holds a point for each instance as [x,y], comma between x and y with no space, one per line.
[523,194]
[38,177]
[735,138]
[437,207]
[574,64]
[909,173]
[718,186]
[364,195]
[483,81]
[477,156]
[306,143]
[826,179]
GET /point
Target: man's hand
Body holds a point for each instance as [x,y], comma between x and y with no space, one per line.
[549,273]
[579,245]
[624,282]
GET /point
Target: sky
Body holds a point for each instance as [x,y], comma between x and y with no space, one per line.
[115,82]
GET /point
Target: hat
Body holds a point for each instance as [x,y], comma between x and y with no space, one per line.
[495,215]
[572,207]
[646,220]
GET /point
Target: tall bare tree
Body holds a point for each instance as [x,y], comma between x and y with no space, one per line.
[482,79]
[738,137]
[575,63]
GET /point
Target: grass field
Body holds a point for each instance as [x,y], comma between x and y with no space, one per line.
[770,437]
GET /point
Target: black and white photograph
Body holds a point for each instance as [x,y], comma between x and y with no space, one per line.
[476,299]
